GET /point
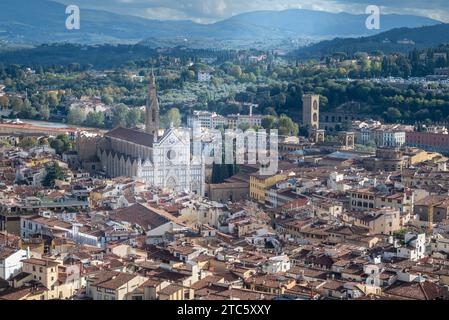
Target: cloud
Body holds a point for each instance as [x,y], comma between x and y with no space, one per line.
[207,11]
[435,9]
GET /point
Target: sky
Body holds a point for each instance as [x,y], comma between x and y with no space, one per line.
[209,11]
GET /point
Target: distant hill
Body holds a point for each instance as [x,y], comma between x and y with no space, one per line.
[396,40]
[43,21]
[266,28]
[309,23]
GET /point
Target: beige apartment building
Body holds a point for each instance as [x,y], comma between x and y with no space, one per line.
[367,199]
[111,285]
[47,272]
[379,221]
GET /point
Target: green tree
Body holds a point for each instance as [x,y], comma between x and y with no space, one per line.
[4,143]
[58,145]
[287,127]
[61,144]
[28,142]
[236,71]
[54,172]
[17,105]
[268,122]
[107,99]
[53,100]
[119,115]
[393,114]
[173,116]
[270,111]
[229,109]
[95,119]
[76,116]
[4,102]
[44,112]
[28,111]
[43,142]
[133,118]
[252,77]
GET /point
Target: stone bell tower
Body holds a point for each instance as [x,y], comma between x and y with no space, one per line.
[311,111]
[152,109]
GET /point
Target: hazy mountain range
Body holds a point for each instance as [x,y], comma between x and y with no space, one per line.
[43,21]
[396,40]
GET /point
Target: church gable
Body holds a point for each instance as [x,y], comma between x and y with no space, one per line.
[173,149]
[172,138]
[147,163]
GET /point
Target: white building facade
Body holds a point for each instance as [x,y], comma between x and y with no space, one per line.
[206,119]
[166,163]
[382,135]
[10,262]
[204,76]
[414,248]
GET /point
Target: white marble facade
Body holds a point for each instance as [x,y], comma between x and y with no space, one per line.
[167,163]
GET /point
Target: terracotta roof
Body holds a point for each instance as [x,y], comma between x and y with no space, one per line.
[141,215]
[6,252]
[416,290]
[323,260]
[355,269]
[41,262]
[244,294]
[171,289]
[300,202]
[207,281]
[151,283]
[20,276]
[184,249]
[156,253]
[111,280]
[333,285]
[349,230]
[20,293]
[134,136]
[269,280]
[50,222]
[168,275]
[211,289]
